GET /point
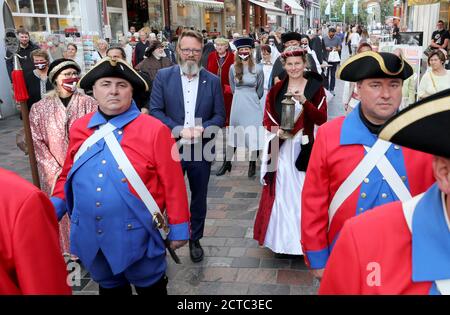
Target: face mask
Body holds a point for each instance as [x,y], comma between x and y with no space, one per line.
[70,85]
[40,65]
[304,46]
[244,56]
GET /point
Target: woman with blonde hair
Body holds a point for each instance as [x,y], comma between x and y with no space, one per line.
[247,85]
[50,121]
[102,49]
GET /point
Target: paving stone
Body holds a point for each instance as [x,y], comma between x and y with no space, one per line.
[241,242]
[268,289]
[302,290]
[295,277]
[237,252]
[220,274]
[275,263]
[299,264]
[213,241]
[216,214]
[231,231]
[254,275]
[245,262]
[259,252]
[245,195]
[216,251]
[215,288]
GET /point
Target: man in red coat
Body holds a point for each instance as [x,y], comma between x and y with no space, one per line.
[30,255]
[350,171]
[219,63]
[402,248]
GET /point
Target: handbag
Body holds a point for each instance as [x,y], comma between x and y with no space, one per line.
[334,56]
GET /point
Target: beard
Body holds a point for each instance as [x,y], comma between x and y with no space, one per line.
[190,67]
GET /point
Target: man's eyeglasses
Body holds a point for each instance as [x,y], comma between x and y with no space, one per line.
[188,51]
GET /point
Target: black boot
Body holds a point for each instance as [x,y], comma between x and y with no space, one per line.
[196,251]
[226,166]
[251,169]
[157,289]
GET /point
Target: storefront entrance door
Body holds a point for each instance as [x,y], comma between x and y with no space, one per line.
[117,22]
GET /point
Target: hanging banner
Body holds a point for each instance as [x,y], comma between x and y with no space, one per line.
[421,2]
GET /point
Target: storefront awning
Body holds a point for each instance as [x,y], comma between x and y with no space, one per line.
[208,4]
[270,8]
[421,2]
[296,8]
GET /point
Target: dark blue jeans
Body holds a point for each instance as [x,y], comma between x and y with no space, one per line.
[331,75]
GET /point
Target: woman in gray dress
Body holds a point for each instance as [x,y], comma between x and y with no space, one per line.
[247,84]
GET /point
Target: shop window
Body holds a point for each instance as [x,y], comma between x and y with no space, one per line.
[115,3]
[59,25]
[25,6]
[32,24]
[75,7]
[64,8]
[52,6]
[12,5]
[39,6]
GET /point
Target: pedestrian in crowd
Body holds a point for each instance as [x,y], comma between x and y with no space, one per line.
[141,46]
[71,53]
[155,59]
[409,85]
[267,65]
[29,241]
[131,31]
[264,40]
[55,48]
[332,47]
[354,41]
[26,46]
[169,49]
[396,30]
[208,48]
[119,180]
[275,53]
[141,99]
[317,45]
[348,42]
[247,85]
[50,121]
[408,241]
[314,64]
[219,63]
[342,180]
[350,97]
[441,37]
[437,78]
[189,100]
[127,48]
[365,38]
[100,53]
[277,224]
[37,80]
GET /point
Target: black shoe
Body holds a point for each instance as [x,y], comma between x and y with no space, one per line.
[251,169]
[196,251]
[226,166]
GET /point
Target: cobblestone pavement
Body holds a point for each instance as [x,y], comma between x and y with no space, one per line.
[234,263]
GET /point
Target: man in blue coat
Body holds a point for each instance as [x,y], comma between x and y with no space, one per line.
[189,100]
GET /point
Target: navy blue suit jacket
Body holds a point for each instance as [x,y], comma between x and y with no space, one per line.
[167,102]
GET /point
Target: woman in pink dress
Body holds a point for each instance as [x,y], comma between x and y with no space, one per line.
[50,121]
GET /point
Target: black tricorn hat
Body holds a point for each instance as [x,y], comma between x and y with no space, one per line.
[285,37]
[423,126]
[372,64]
[116,68]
